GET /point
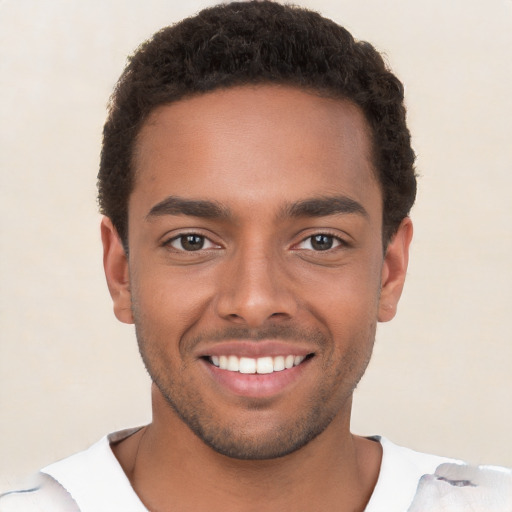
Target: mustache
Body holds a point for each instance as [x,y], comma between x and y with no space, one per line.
[270,332]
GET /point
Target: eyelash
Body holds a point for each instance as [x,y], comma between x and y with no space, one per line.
[181,238]
[336,242]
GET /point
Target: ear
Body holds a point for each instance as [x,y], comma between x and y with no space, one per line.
[394,270]
[117,272]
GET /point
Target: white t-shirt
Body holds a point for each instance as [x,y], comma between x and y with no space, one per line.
[409,481]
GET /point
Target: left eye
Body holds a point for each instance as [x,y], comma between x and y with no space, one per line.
[320,242]
[191,242]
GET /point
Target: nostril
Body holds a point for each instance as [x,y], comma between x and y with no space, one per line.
[254,305]
[279,315]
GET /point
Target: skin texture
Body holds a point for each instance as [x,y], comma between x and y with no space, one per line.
[272,167]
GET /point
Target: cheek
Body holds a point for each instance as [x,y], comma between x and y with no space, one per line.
[346,304]
[166,305]
[345,294]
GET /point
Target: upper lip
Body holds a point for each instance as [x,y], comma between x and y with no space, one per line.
[254,349]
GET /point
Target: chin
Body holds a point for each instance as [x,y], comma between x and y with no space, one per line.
[255,439]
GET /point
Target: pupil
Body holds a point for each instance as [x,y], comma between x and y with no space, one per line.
[192,242]
[321,242]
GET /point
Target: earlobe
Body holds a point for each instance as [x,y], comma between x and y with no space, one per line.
[115,263]
[394,271]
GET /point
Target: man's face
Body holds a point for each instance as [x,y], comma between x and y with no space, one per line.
[255,243]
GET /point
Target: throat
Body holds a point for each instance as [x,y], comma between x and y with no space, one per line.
[313,477]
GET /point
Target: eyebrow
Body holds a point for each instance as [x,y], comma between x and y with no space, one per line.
[323,206]
[174,205]
[313,207]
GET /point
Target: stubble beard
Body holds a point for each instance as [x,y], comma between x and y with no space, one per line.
[232,439]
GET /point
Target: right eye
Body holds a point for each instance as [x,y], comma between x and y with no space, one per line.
[191,242]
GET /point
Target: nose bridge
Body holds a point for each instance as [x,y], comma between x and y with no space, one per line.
[255,286]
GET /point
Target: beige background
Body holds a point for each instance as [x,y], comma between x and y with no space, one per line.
[440,378]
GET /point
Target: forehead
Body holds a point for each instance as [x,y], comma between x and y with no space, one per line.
[243,144]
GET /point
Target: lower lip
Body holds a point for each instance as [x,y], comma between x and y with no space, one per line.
[256,385]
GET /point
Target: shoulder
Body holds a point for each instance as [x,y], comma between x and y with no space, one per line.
[38,494]
[401,469]
[418,482]
[90,480]
[95,479]
[465,488]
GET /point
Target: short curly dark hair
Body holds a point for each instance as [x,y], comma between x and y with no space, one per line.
[250,43]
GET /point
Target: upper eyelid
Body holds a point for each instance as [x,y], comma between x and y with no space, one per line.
[342,237]
[168,243]
[173,235]
[167,238]
[341,240]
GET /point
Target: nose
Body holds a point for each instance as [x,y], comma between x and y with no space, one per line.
[255,288]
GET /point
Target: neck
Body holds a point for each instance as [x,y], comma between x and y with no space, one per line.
[170,468]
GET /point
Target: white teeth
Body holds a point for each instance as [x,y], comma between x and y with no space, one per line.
[260,365]
[264,365]
[232,364]
[278,363]
[247,365]
[297,360]
[288,361]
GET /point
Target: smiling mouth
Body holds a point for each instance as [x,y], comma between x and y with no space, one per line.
[259,365]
